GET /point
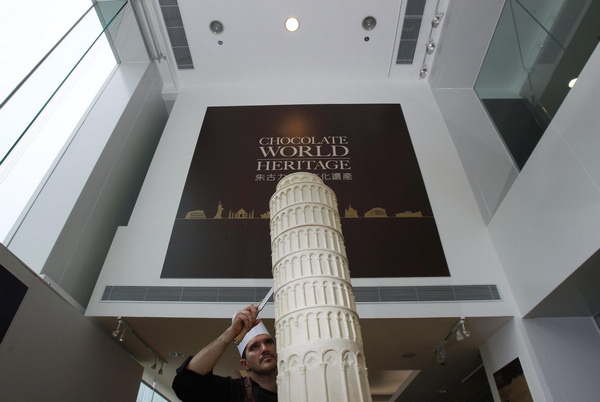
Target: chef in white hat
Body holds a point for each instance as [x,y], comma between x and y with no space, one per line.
[196,381]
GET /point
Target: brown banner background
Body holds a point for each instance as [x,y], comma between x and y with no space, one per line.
[372,167]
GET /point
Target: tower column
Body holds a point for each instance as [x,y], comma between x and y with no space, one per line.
[320,327]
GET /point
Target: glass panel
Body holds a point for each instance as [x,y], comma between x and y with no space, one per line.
[25,20]
[537,48]
[557,17]
[25,104]
[147,394]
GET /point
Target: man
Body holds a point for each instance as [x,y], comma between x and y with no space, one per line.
[195,380]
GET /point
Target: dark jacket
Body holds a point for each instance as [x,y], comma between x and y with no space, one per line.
[191,386]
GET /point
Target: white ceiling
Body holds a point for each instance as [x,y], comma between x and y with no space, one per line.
[329,46]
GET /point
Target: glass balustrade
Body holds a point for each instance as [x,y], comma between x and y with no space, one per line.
[538,48]
[52,97]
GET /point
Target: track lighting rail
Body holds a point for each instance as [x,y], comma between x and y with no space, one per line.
[123,328]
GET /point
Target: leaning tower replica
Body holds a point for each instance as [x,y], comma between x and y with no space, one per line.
[319,345]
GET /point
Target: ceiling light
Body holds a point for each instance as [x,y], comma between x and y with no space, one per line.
[435,22]
[117,331]
[175,354]
[441,354]
[292,24]
[369,23]
[216,27]
[572,82]
[430,46]
[122,337]
[458,329]
[461,332]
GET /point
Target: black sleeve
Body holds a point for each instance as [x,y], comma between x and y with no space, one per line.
[190,386]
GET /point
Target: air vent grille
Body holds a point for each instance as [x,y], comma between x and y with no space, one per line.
[362,294]
[174,24]
[410,31]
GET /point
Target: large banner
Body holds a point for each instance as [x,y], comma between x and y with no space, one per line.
[363,152]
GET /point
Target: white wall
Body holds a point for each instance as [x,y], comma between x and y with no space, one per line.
[559,356]
[547,225]
[460,53]
[110,192]
[25,170]
[142,245]
[488,166]
[543,222]
[507,344]
[33,242]
[69,227]
[487,163]
[52,353]
[568,350]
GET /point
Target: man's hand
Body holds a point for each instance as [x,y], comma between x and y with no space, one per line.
[244,321]
[205,360]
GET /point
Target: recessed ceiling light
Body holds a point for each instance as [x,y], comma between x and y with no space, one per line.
[216,27]
[572,82]
[369,23]
[175,354]
[292,24]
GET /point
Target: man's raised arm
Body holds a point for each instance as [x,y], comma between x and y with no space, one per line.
[205,360]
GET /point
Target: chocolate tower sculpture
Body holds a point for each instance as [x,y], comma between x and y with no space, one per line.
[319,345]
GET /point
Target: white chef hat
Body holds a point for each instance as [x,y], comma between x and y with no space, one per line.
[258,329]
